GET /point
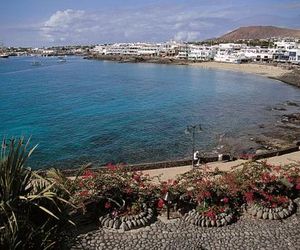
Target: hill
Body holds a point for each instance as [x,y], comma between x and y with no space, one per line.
[259,32]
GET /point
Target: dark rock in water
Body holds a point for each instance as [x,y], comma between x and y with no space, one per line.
[279,109]
[291,118]
[290,103]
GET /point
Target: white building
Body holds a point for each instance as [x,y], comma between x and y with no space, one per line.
[229,56]
[257,53]
[294,56]
[201,53]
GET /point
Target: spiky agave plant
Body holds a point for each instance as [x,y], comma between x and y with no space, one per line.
[28,202]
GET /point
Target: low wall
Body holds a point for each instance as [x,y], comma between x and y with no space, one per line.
[185,162]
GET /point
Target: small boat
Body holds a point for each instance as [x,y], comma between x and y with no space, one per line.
[62,59]
[4,55]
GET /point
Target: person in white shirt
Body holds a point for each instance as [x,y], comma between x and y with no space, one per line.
[197,158]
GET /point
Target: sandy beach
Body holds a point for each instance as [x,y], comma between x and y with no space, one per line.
[258,69]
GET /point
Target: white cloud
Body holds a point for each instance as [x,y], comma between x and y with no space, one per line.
[68,24]
[151,23]
[186,36]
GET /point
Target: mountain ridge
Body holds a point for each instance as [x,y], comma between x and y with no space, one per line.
[259,32]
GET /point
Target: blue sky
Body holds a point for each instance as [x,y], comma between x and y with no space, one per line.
[62,22]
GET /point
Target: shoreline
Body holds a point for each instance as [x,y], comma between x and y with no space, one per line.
[285,73]
[289,74]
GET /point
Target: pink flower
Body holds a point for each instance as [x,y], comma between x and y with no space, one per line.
[107,205]
[160,203]
[111,167]
[298,186]
[206,194]
[136,177]
[210,214]
[249,196]
[84,193]
[225,200]
[88,173]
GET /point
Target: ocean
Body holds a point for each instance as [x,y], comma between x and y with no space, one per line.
[99,111]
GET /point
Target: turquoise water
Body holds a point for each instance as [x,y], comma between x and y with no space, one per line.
[98,111]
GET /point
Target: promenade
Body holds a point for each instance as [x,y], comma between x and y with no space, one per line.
[171,173]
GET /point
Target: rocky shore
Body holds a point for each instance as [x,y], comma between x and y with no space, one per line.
[138,59]
[284,133]
[292,78]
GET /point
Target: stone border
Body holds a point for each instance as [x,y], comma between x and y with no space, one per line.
[197,219]
[125,223]
[278,213]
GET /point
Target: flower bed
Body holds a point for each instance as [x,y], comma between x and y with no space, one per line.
[215,196]
[127,222]
[123,200]
[270,190]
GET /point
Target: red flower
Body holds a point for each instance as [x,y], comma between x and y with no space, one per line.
[283,199]
[160,203]
[210,214]
[81,184]
[111,167]
[298,186]
[249,196]
[84,193]
[136,177]
[128,190]
[225,200]
[107,205]
[206,194]
[87,174]
[266,177]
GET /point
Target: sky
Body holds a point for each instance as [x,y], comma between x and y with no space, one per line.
[37,23]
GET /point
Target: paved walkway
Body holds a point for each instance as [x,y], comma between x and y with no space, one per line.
[171,173]
[246,233]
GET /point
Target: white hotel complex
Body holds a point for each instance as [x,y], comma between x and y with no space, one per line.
[282,51]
